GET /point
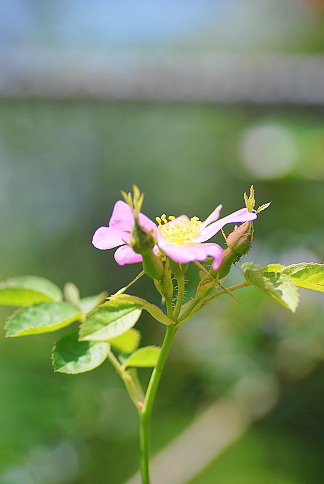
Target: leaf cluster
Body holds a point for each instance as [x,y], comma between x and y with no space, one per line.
[106,325]
[281,283]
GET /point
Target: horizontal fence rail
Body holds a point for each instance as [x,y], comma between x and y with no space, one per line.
[221,77]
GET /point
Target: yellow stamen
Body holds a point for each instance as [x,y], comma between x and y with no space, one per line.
[181,232]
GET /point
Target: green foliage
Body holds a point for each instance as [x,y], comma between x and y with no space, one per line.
[41,318]
[87,304]
[279,286]
[134,202]
[72,294]
[263,207]
[272,267]
[250,201]
[280,282]
[144,357]
[73,356]
[150,308]
[306,275]
[127,342]
[249,266]
[27,290]
[111,319]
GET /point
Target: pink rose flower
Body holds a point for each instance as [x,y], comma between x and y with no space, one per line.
[182,239]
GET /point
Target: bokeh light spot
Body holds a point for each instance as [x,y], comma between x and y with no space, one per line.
[268,151]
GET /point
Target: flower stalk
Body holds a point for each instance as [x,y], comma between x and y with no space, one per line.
[164,249]
[146,411]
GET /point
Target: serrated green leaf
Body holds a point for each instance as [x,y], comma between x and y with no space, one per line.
[307,275]
[144,357]
[41,318]
[126,342]
[27,290]
[279,286]
[150,308]
[72,294]
[272,268]
[111,319]
[73,356]
[249,266]
[87,304]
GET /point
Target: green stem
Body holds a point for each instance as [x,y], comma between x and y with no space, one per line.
[181,289]
[121,291]
[169,307]
[146,411]
[192,305]
[230,289]
[133,390]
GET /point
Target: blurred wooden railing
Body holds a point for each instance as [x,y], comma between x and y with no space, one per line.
[169,76]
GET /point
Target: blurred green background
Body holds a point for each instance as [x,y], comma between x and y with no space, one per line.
[67,148]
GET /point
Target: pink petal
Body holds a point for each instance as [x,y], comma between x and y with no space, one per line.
[146,223]
[122,217]
[126,255]
[239,216]
[191,252]
[212,217]
[108,238]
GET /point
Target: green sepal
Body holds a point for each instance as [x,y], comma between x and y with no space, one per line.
[27,290]
[144,357]
[72,356]
[178,269]
[109,320]
[150,308]
[279,286]
[127,342]
[41,318]
[306,275]
[263,207]
[250,201]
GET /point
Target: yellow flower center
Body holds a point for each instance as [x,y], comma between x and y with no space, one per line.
[181,232]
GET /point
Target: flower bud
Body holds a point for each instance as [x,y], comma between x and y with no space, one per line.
[152,265]
[143,242]
[240,240]
[229,257]
[178,269]
[239,243]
